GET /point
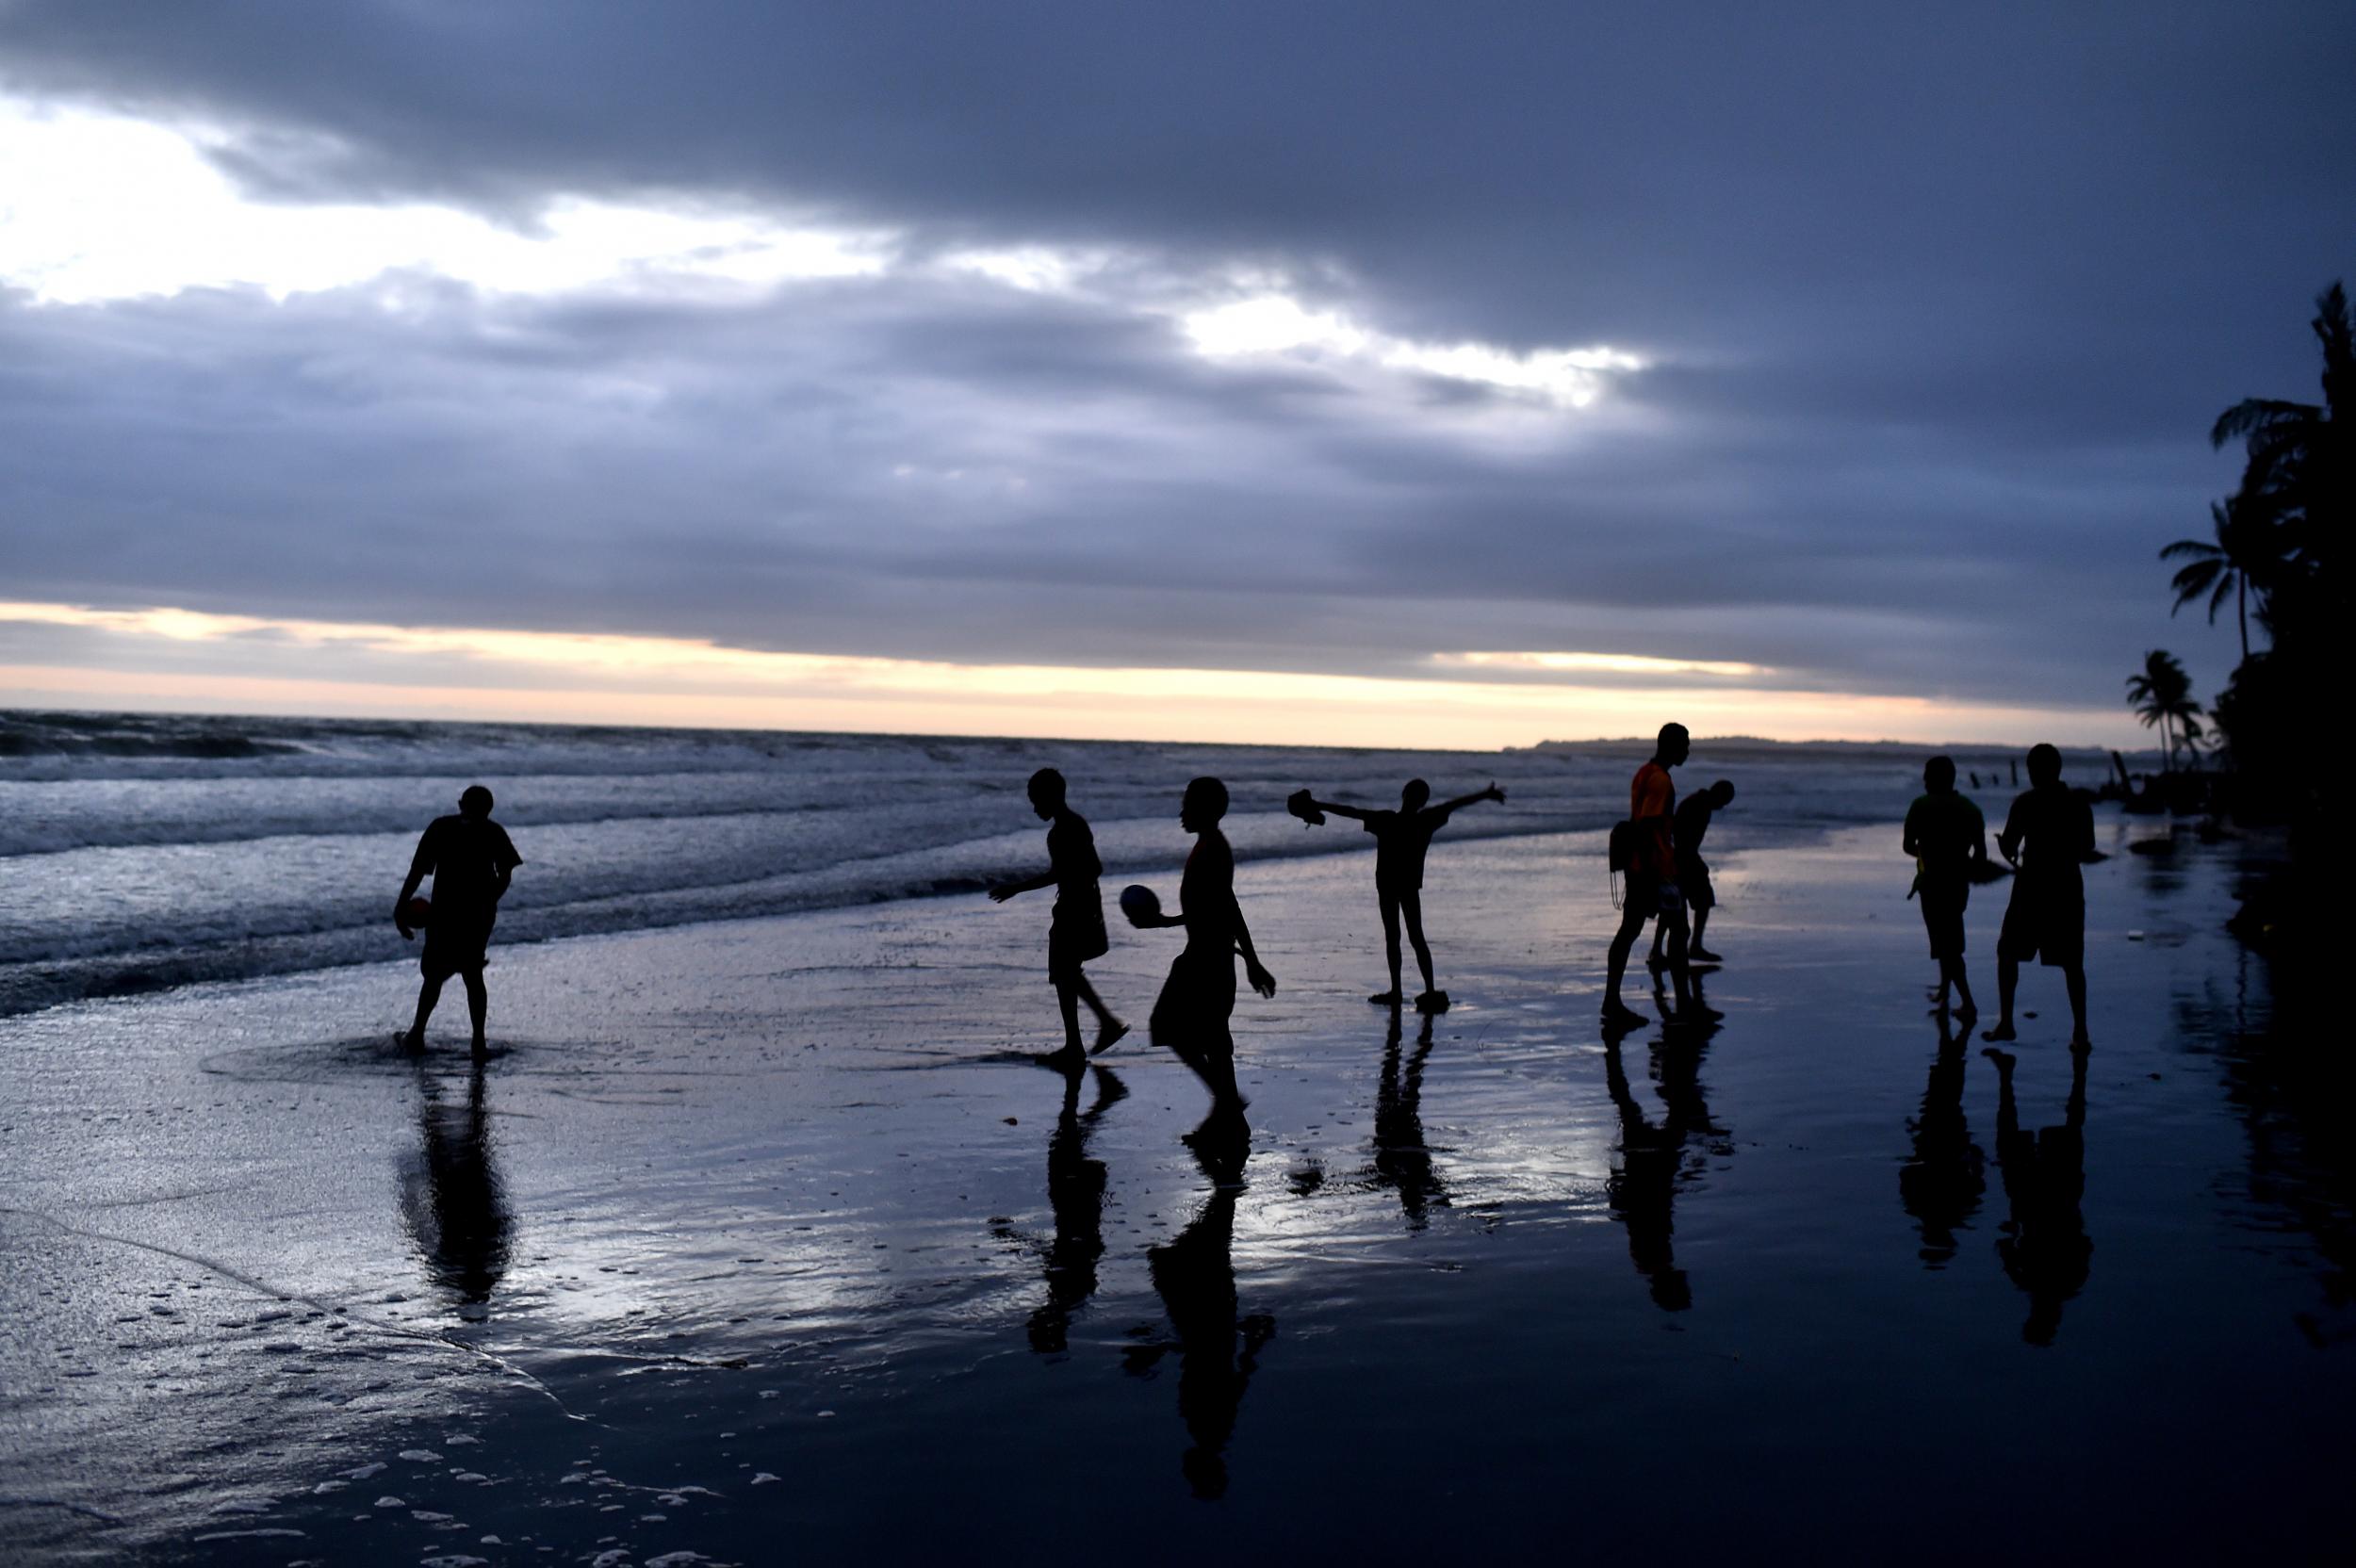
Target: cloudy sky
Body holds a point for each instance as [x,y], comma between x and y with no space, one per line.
[1468,373]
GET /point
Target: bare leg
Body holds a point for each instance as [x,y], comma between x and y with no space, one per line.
[2075,978]
[1951,971]
[1701,919]
[1390,945]
[1615,961]
[1068,1001]
[1411,906]
[428,994]
[2007,981]
[478,1003]
[1109,1028]
[1675,923]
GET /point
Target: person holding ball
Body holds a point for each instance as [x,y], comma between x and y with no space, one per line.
[1190,1016]
[471,860]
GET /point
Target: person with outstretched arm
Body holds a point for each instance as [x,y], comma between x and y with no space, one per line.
[471,860]
[1401,838]
[1076,933]
[2048,835]
[1948,839]
[1652,885]
[1190,1018]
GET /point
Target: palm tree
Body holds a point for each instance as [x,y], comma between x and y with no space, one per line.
[2162,695]
[2302,457]
[2248,554]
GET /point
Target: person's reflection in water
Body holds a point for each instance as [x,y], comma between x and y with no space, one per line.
[1402,1160]
[452,1195]
[1194,1272]
[1654,1160]
[1076,1192]
[1943,1180]
[2044,1247]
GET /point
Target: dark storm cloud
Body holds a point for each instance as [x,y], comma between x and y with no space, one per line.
[1941,304]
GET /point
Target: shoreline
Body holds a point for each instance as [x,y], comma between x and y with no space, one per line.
[790,1197]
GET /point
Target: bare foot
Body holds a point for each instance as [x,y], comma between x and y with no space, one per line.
[1703,955]
[2080,1042]
[1108,1036]
[1385,999]
[2002,1032]
[1618,1015]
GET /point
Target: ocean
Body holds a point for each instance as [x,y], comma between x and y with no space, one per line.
[140,852]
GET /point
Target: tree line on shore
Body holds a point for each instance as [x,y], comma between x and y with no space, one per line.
[2271,554]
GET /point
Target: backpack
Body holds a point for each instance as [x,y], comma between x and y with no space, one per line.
[1621,847]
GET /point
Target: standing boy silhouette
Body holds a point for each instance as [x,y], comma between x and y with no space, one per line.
[1401,838]
[1190,1016]
[1690,827]
[1076,933]
[1948,839]
[471,860]
[2046,835]
[1652,884]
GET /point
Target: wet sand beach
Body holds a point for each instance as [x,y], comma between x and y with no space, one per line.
[769,1240]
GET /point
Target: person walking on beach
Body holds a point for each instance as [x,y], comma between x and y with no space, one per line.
[1948,839]
[1652,884]
[1076,932]
[1190,1016]
[471,860]
[2047,836]
[1401,838]
[1687,829]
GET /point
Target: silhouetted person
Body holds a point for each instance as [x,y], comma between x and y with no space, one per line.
[1653,1162]
[2044,1248]
[1076,933]
[1402,1160]
[471,859]
[1218,1350]
[1690,827]
[1948,839]
[1941,1182]
[2046,835]
[1401,838]
[1191,1015]
[1652,883]
[1075,1193]
[453,1198]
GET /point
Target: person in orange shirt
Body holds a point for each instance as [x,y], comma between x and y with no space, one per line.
[1652,884]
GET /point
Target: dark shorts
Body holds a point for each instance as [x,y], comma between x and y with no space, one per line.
[1649,896]
[1693,882]
[454,944]
[1075,935]
[2048,927]
[1197,1001]
[1943,917]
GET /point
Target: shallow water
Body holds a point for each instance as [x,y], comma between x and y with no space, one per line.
[769,1238]
[145,852]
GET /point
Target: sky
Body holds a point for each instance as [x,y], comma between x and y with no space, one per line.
[1351,373]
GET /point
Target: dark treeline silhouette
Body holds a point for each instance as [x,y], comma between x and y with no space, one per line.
[2274,548]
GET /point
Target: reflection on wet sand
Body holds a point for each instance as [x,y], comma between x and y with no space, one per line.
[1195,1275]
[1402,1160]
[452,1198]
[2044,1246]
[1942,1178]
[1075,1195]
[1655,1161]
